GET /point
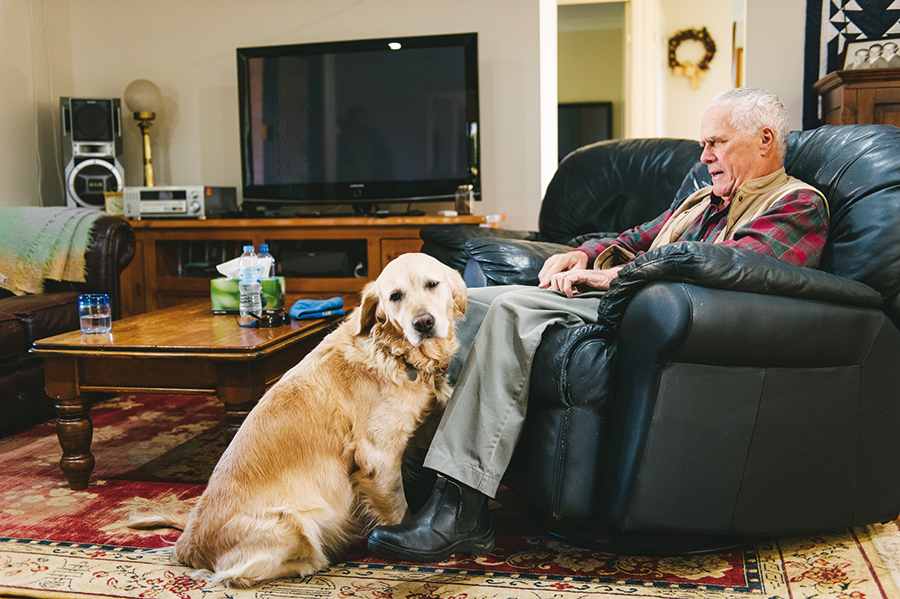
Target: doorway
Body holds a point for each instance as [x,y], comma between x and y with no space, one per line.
[591,63]
[615,51]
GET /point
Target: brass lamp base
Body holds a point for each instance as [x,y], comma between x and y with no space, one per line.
[144,119]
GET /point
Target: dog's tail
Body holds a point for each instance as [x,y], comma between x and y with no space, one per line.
[158,517]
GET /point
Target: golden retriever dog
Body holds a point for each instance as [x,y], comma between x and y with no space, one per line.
[318,459]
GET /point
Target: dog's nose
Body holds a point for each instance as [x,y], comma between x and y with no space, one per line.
[423,323]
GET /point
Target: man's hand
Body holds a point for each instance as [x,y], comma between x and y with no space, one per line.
[559,263]
[567,272]
[573,282]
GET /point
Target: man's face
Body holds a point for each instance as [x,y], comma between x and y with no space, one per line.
[874,53]
[730,156]
[889,50]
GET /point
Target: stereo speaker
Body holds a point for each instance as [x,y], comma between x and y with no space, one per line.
[91,149]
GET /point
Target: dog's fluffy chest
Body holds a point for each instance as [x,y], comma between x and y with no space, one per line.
[398,411]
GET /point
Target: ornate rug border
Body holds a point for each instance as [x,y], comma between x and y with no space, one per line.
[369,571]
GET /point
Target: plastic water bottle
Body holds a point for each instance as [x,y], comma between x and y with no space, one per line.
[248,282]
[266,273]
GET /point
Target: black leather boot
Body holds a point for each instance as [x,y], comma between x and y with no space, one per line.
[455,520]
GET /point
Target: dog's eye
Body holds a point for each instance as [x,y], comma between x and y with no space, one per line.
[396,296]
[431,284]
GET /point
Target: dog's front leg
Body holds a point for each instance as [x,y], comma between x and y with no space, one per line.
[379,484]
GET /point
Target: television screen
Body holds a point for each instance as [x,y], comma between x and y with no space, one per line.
[359,121]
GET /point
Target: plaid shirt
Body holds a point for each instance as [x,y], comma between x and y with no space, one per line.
[793,229]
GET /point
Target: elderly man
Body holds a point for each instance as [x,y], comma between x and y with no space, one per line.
[752,204]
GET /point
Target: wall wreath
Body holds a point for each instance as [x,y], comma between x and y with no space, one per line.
[688,69]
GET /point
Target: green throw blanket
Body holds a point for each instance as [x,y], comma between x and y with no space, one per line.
[43,243]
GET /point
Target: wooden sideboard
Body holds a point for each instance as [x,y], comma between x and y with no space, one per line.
[866,96]
[319,257]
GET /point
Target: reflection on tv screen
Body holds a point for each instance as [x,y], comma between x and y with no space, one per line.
[390,115]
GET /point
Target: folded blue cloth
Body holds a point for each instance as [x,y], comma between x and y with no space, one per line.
[309,309]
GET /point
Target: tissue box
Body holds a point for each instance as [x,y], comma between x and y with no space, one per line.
[226,298]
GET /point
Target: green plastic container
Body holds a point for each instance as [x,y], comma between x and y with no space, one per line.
[226,297]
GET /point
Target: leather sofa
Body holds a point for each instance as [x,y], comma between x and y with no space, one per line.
[26,318]
[723,392]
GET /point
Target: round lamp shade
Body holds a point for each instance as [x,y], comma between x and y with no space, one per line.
[143,96]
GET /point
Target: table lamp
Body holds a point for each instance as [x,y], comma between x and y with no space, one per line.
[144,99]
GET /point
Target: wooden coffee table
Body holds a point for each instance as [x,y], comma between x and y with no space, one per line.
[180,350]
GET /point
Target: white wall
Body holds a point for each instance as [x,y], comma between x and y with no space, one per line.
[95,48]
[188,50]
[681,106]
[17,185]
[774,48]
[55,48]
[34,43]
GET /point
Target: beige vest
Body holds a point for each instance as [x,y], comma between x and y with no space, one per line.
[752,199]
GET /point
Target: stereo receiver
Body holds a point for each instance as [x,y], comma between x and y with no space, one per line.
[173,201]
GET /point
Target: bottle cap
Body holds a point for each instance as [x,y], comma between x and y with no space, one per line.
[248,248]
[263,247]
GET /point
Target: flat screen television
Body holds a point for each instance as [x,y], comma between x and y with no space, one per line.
[359,122]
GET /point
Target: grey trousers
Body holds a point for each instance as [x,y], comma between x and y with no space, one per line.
[483,421]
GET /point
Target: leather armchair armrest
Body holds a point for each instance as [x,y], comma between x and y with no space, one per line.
[574,368]
[511,261]
[673,321]
[724,267]
[110,252]
[447,242]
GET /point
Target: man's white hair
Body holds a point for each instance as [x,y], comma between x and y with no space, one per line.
[753,108]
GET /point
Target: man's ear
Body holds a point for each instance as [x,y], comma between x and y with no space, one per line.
[766,140]
[367,312]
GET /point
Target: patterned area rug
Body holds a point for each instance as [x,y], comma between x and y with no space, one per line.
[60,543]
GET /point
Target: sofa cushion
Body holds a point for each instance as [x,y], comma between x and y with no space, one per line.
[12,338]
[43,315]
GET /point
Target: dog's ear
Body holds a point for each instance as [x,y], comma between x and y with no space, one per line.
[368,310]
[460,293]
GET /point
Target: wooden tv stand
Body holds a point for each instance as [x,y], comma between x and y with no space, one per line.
[175,259]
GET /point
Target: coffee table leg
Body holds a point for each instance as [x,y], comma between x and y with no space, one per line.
[240,386]
[235,414]
[74,430]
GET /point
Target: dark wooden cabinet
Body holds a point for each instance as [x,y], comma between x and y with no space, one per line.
[866,96]
[175,259]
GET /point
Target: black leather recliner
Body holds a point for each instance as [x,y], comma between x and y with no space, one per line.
[747,396]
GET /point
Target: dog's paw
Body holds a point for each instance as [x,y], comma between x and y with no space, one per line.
[203,574]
